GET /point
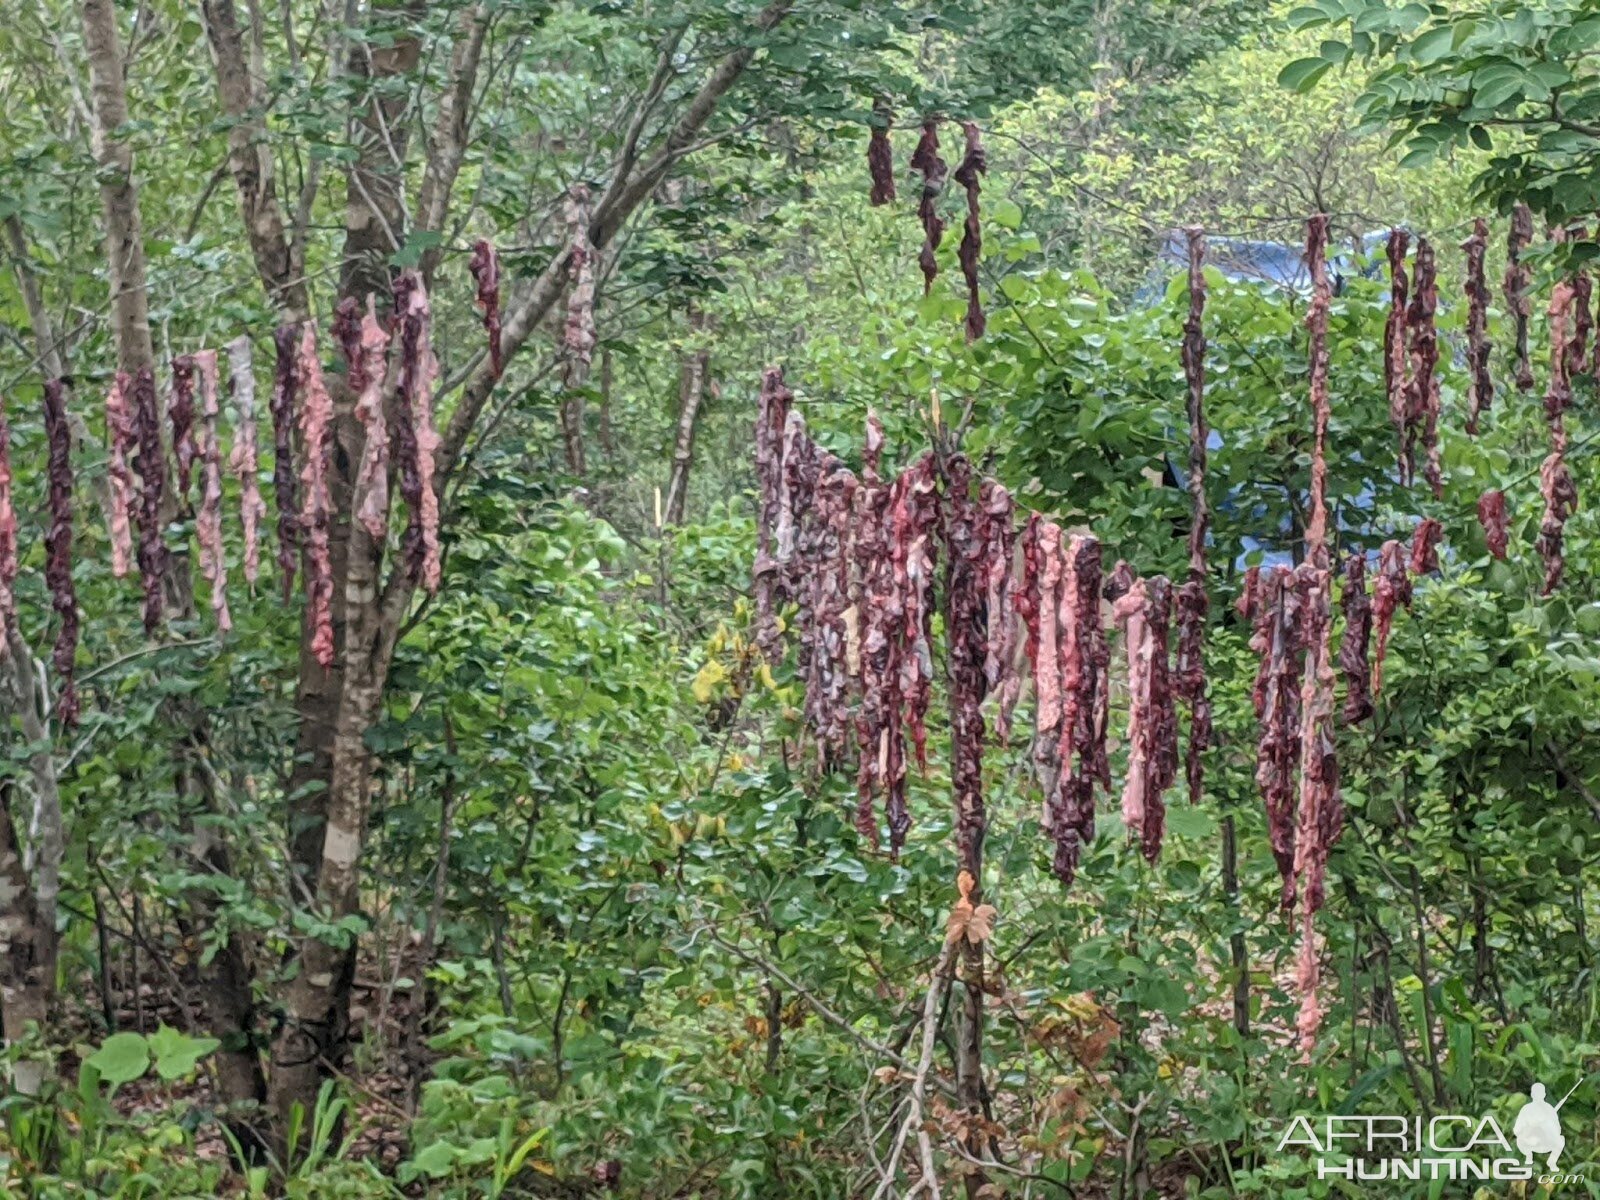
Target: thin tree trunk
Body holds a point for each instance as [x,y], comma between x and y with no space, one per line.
[25,980]
[691,392]
[42,863]
[316,999]
[1236,944]
[608,437]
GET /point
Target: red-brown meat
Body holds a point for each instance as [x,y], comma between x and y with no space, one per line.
[58,549]
[1492,516]
[1480,384]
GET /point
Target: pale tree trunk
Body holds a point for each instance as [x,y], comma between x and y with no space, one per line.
[24,978]
[42,860]
[572,421]
[316,999]
[226,982]
[691,393]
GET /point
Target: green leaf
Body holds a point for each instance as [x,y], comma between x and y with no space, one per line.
[417,243]
[122,1058]
[1303,74]
[1006,213]
[177,1054]
[1433,45]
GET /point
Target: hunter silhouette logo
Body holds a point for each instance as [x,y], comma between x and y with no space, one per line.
[1538,1126]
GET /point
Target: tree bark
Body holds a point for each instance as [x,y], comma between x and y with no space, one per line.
[42,864]
[25,980]
[250,163]
[119,195]
[691,391]
[447,145]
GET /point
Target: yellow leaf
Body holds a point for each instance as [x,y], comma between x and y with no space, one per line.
[706,681]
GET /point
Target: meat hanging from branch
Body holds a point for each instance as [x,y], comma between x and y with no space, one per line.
[772,416]
[1144,614]
[1517,283]
[485,267]
[1422,389]
[243,458]
[1001,677]
[828,673]
[8,533]
[1425,546]
[285,389]
[122,441]
[880,159]
[1390,592]
[416,442]
[1394,350]
[58,549]
[1356,607]
[1084,660]
[1193,603]
[967,542]
[578,334]
[181,414]
[973,164]
[1555,481]
[365,359]
[916,517]
[1320,818]
[152,486]
[208,520]
[1271,602]
[1480,384]
[1582,325]
[1492,516]
[316,436]
[881,763]
[1044,566]
[925,158]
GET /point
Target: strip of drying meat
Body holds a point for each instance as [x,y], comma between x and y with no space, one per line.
[181,414]
[122,442]
[1356,607]
[285,390]
[152,486]
[926,159]
[916,521]
[485,267]
[1422,389]
[973,164]
[8,534]
[365,358]
[243,459]
[828,680]
[881,766]
[1517,283]
[58,549]
[316,436]
[880,158]
[208,520]
[1143,613]
[1271,602]
[416,442]
[1084,658]
[1193,603]
[1555,481]
[1480,384]
[966,587]
[1045,566]
[1425,546]
[578,333]
[1395,375]
[1390,592]
[1492,516]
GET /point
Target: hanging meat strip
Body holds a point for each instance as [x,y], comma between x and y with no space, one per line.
[966,586]
[1000,652]
[1492,516]
[1391,592]
[934,169]
[1555,481]
[881,766]
[1193,603]
[316,436]
[972,166]
[8,534]
[1480,384]
[1394,349]
[365,360]
[915,516]
[880,160]
[1422,395]
[772,417]
[1517,283]
[243,459]
[1320,817]
[181,413]
[1084,658]
[415,439]
[1144,614]
[152,481]
[58,549]
[1425,546]
[485,267]
[578,336]
[1356,607]
[208,521]
[285,388]
[122,441]
[1272,604]
[828,676]
[1045,566]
